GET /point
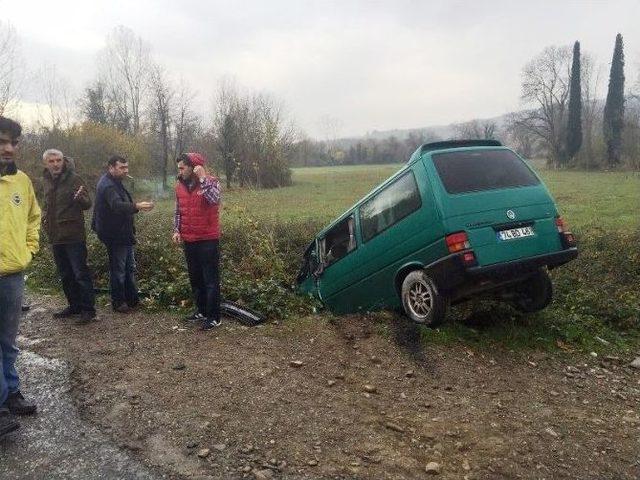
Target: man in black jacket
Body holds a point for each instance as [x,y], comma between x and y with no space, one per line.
[113,222]
[65,198]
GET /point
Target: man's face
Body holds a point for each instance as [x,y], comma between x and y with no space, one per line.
[119,170]
[55,164]
[7,148]
[184,171]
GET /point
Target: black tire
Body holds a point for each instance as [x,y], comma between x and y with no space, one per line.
[535,293]
[421,300]
[244,314]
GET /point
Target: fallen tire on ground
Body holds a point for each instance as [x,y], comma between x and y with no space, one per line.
[243,314]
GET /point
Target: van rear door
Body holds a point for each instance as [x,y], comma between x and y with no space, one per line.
[495,197]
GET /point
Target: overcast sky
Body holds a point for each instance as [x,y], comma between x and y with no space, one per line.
[372,65]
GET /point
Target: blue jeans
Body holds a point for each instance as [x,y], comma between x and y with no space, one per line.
[122,275]
[11,291]
[71,261]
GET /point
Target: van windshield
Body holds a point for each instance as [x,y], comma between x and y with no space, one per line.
[478,170]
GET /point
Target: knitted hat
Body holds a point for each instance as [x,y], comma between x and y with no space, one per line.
[196,159]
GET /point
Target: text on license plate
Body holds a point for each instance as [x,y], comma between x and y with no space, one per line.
[514,233]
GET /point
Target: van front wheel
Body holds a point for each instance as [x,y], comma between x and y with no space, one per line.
[421,300]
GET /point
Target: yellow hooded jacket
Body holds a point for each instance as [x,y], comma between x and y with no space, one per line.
[19,223]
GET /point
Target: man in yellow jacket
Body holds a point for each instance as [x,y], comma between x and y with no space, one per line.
[19,232]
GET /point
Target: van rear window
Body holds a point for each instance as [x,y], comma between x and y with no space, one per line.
[478,170]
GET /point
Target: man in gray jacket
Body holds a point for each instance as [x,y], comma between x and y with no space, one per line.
[65,199]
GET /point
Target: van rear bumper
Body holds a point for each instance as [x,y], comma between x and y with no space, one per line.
[450,274]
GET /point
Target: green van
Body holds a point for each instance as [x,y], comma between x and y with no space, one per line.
[461,218]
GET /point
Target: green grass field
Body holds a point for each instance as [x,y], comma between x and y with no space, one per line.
[587,200]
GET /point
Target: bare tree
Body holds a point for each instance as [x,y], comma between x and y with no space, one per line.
[125,67]
[253,137]
[228,119]
[331,129]
[545,86]
[591,108]
[476,129]
[56,94]
[162,98]
[10,61]
[519,136]
[186,122]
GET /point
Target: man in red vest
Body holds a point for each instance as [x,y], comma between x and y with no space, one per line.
[197,226]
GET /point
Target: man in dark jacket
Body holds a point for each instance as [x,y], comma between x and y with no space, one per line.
[65,198]
[197,225]
[113,222]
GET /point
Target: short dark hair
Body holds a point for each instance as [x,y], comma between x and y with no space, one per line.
[184,158]
[113,159]
[11,127]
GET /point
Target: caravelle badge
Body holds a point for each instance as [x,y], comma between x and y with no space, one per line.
[511,214]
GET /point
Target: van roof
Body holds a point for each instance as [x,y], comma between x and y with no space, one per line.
[429,147]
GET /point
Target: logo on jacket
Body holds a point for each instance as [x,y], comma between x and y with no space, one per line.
[511,214]
[16,199]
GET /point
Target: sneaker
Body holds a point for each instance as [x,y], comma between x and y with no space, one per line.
[194,317]
[17,404]
[7,424]
[86,316]
[122,308]
[66,313]
[209,323]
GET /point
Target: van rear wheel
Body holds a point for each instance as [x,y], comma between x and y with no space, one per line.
[421,300]
[535,293]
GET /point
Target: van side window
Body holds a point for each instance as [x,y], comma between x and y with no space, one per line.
[391,205]
[338,241]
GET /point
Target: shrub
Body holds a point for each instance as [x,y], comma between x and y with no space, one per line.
[260,260]
[258,264]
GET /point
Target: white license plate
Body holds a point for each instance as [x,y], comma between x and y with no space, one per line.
[514,233]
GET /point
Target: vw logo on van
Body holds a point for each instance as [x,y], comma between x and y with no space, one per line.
[511,214]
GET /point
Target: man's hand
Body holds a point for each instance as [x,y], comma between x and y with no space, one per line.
[177,238]
[199,172]
[79,192]
[144,206]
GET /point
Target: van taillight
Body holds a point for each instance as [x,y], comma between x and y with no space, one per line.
[560,224]
[457,242]
[568,240]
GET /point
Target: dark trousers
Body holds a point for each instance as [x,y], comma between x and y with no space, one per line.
[122,275]
[203,263]
[71,262]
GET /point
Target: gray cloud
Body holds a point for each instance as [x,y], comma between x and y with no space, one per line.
[373,65]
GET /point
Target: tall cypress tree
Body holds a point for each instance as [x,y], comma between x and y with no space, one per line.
[614,107]
[574,123]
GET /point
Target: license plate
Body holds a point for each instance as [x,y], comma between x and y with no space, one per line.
[514,233]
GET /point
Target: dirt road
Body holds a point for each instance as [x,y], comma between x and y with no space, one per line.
[348,398]
[57,443]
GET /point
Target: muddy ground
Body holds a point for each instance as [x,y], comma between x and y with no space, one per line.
[345,398]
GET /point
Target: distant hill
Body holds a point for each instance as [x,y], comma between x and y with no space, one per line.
[443,132]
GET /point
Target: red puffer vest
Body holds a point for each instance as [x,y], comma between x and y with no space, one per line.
[199,220]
